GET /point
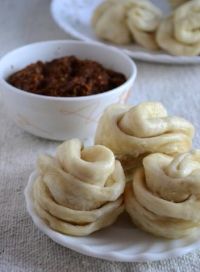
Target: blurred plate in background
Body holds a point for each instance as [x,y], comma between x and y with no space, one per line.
[74,18]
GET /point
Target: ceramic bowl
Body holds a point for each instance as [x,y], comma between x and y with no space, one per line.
[61,118]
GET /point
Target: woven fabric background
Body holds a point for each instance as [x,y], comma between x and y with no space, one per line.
[22,247]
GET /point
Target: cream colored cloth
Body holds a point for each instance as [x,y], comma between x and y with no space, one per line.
[80,190]
[145,128]
[163,197]
[187,22]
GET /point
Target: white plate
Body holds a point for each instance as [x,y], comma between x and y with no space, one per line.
[120,242]
[74,18]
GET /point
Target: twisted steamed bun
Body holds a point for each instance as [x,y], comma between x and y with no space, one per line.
[109,22]
[133,132]
[143,128]
[122,21]
[164,196]
[179,34]
[143,19]
[80,190]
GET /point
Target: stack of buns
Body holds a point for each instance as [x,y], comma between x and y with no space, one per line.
[141,162]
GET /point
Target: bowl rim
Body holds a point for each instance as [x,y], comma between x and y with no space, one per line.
[130,61]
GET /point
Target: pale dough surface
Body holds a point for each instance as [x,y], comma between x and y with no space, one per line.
[145,128]
[166,40]
[122,22]
[79,191]
[163,197]
[187,22]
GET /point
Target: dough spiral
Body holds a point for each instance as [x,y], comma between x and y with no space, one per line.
[164,196]
[187,22]
[109,22]
[133,132]
[80,190]
[179,34]
[121,21]
[143,19]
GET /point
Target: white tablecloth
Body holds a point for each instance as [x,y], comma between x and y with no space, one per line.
[22,246]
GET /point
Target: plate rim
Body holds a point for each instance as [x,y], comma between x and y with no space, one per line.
[162,58]
[85,250]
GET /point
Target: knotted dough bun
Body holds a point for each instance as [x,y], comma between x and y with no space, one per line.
[128,130]
[109,22]
[122,21]
[80,190]
[179,34]
[143,19]
[164,196]
[133,132]
[187,23]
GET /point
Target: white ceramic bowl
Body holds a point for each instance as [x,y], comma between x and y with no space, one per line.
[59,118]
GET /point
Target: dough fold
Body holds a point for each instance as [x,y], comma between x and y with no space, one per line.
[143,19]
[79,190]
[187,22]
[133,132]
[123,21]
[179,34]
[164,196]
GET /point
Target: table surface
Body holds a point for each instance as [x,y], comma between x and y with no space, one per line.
[22,246]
